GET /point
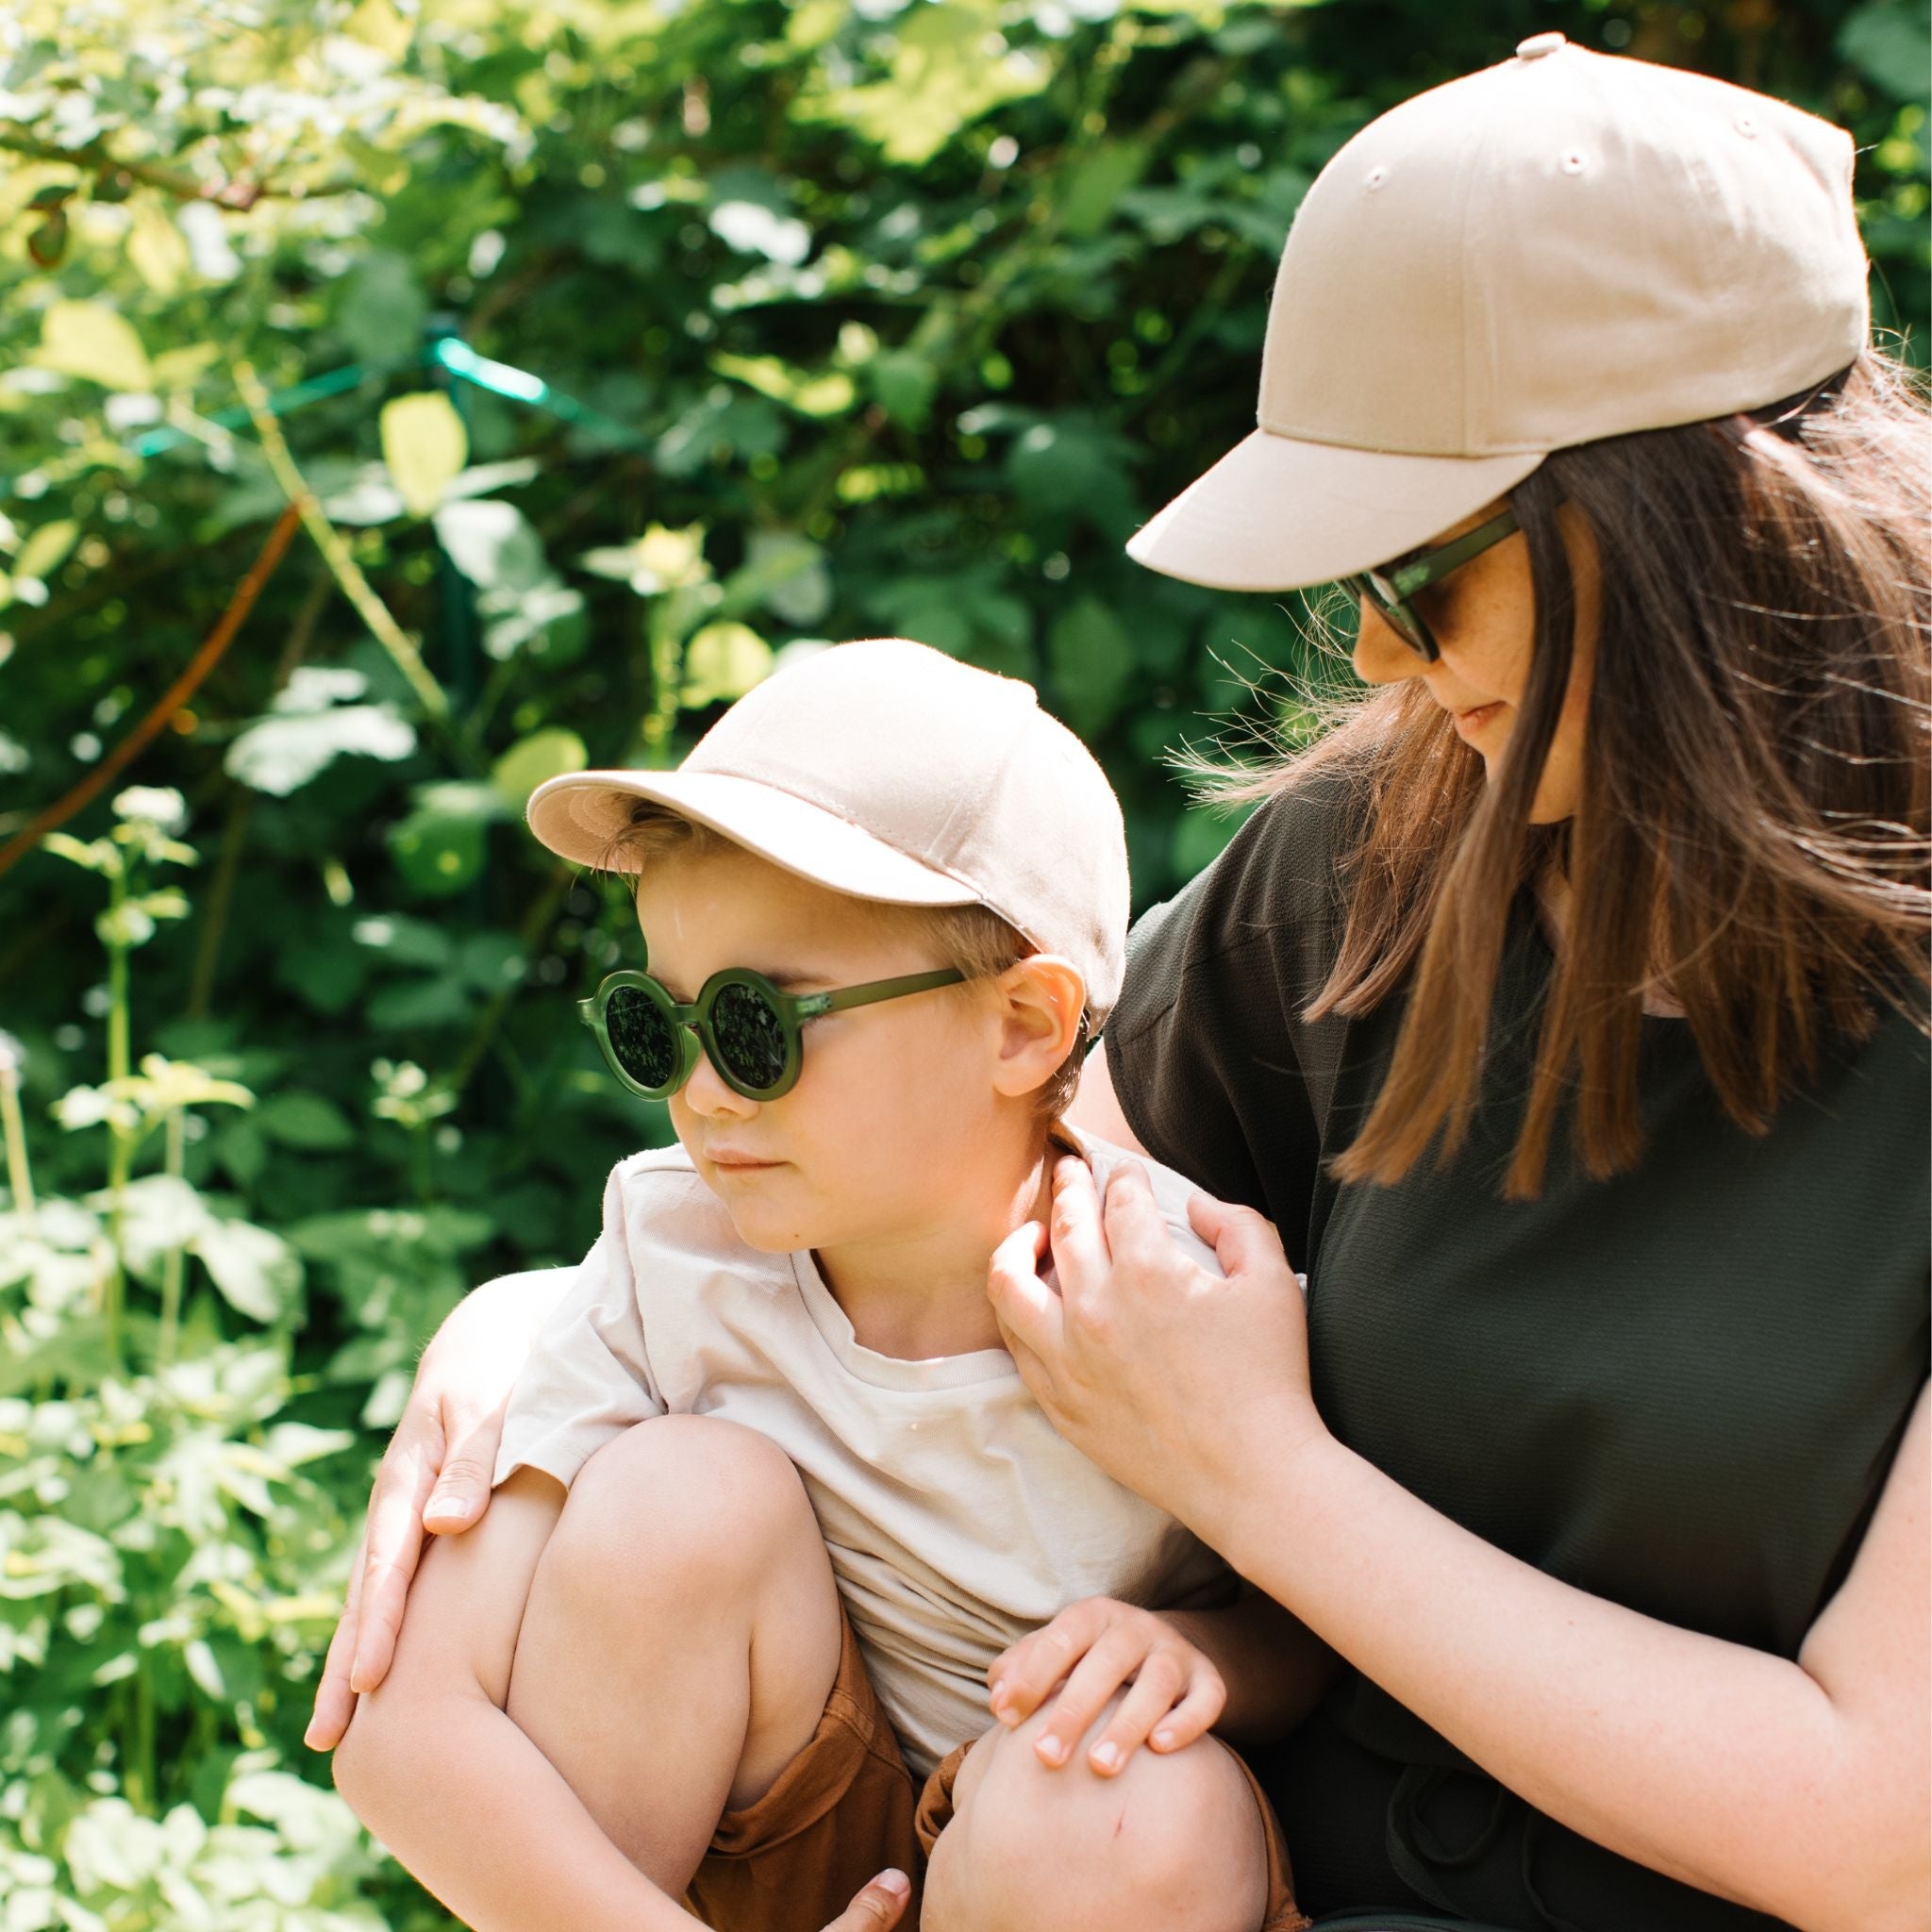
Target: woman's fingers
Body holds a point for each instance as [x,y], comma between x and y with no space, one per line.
[1120,1654]
[1025,1306]
[1020,1678]
[1080,1255]
[1172,1698]
[881,1904]
[335,1703]
[394,1543]
[1244,1242]
[1195,1715]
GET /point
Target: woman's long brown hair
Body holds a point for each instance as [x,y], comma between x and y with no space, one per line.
[1751,837]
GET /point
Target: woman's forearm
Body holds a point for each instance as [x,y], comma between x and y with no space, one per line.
[484,1820]
[1718,1764]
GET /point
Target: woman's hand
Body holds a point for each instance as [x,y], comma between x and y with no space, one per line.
[1176,1381]
[1097,1645]
[434,1474]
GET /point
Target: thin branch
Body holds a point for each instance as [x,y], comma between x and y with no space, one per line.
[177,694]
[239,193]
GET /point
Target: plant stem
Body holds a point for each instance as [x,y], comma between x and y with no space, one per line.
[120,1139]
[141,1773]
[175,1260]
[19,1177]
[348,573]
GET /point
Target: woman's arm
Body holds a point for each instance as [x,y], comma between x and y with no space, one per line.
[1799,1787]
[448,1782]
[437,1464]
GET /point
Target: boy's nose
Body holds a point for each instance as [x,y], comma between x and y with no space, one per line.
[706,1093]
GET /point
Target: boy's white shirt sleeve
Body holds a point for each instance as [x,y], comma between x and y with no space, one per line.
[588,1376]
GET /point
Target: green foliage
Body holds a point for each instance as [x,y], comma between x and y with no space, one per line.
[676,339]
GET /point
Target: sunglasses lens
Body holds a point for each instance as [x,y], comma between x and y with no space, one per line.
[641,1036]
[750,1035]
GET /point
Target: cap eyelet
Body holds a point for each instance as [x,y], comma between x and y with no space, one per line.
[1376,177]
[1574,161]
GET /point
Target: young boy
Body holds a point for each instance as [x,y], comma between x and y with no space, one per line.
[810,1504]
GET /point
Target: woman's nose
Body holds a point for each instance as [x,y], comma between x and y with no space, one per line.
[1381,655]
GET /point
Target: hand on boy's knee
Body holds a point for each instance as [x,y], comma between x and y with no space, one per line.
[1174,1840]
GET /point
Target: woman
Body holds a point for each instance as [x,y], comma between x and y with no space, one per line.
[1564,1012]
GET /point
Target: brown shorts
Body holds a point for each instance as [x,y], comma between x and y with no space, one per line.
[845,1808]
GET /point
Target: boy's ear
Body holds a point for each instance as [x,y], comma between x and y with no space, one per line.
[1042,998]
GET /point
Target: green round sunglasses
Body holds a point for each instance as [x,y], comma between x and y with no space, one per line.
[748,1028]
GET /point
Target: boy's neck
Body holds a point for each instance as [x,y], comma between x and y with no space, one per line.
[921,1293]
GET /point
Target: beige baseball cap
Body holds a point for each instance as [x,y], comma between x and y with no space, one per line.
[887,770]
[1565,247]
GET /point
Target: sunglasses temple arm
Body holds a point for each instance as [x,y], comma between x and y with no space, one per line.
[810,1005]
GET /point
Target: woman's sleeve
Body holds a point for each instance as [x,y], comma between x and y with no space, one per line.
[588,1376]
[1206,1050]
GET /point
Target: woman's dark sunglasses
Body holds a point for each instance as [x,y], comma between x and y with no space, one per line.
[1393,588]
[748,1029]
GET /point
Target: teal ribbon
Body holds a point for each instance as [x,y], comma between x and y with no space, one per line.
[445,352]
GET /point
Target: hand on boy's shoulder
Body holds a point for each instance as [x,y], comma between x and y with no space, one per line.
[1172,1191]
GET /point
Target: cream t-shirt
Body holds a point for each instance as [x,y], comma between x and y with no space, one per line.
[957,1517]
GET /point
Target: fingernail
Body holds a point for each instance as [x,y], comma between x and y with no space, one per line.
[447,1510]
[895,1882]
[309,1737]
[1163,1737]
[1052,1749]
[1106,1756]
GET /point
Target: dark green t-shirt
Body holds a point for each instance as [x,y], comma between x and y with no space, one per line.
[1680,1389]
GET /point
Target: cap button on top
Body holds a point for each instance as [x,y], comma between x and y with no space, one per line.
[1539,44]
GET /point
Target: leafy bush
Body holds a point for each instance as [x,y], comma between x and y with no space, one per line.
[612,353]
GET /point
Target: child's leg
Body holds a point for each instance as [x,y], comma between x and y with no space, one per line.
[1172,1841]
[680,1638]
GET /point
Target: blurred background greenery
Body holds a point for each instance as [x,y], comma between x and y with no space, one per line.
[613,349]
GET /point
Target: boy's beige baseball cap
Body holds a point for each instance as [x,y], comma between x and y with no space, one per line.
[1566,246]
[887,770]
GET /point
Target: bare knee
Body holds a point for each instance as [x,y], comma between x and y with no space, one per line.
[1172,1841]
[681,1505]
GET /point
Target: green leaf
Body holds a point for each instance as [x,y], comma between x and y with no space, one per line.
[1093,190]
[1891,43]
[155,246]
[1093,659]
[404,941]
[256,1270]
[830,395]
[305,1121]
[89,340]
[722,662]
[947,68]
[280,754]
[44,552]
[527,764]
[440,846]
[426,446]
[493,544]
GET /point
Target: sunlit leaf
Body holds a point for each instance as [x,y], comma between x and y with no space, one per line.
[426,446]
[90,340]
[527,764]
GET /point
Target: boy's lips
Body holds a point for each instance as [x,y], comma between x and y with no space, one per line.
[732,1161]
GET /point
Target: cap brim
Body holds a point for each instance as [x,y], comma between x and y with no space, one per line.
[577,815]
[1277,515]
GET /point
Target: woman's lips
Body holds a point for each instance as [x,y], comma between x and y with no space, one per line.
[1472,721]
[739,1163]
